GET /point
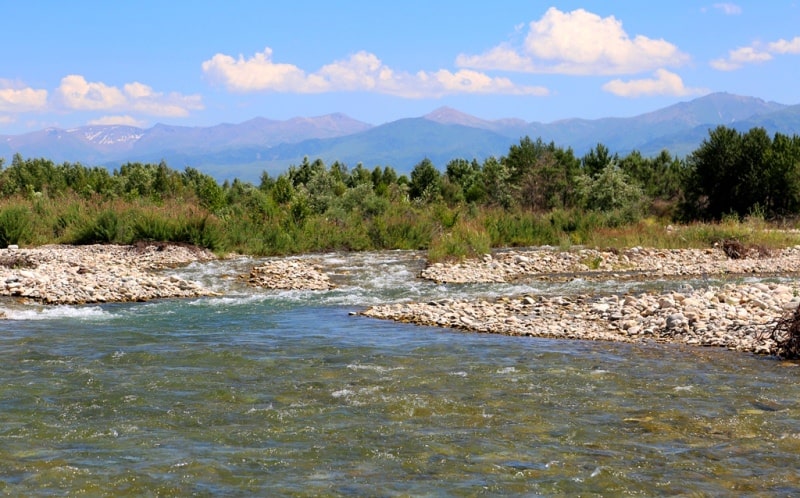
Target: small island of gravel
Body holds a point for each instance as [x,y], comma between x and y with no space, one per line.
[737,316]
[62,274]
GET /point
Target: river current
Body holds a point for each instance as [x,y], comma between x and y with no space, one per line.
[278,393]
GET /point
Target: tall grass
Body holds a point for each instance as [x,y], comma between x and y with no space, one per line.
[467,239]
[261,227]
[14,224]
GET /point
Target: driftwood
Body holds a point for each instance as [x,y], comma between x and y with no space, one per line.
[786,335]
[736,250]
[16,260]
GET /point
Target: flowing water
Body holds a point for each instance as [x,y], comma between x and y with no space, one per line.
[265,393]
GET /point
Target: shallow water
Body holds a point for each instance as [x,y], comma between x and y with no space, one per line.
[287,394]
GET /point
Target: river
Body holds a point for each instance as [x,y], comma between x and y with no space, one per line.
[279,393]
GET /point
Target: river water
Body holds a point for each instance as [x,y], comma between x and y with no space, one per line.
[266,393]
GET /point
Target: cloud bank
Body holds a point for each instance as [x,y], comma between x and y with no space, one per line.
[362,71]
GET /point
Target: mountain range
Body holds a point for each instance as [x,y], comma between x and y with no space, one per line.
[245,150]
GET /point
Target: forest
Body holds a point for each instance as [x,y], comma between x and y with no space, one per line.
[537,194]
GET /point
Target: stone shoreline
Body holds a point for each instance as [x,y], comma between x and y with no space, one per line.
[58,274]
[73,275]
[634,263]
[738,317]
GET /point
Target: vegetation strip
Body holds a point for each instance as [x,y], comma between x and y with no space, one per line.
[537,194]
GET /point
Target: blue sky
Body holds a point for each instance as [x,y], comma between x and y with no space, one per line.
[199,63]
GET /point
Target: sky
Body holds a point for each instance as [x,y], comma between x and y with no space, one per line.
[201,63]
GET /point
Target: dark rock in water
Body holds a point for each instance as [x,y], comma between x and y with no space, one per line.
[767,406]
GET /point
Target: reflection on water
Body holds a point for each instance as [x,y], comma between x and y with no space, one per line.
[260,393]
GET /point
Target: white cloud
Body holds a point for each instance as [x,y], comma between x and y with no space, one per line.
[578,43]
[118,120]
[663,83]
[258,73]
[729,9]
[785,47]
[18,98]
[75,93]
[362,71]
[756,53]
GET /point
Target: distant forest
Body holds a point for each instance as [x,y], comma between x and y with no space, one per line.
[537,193]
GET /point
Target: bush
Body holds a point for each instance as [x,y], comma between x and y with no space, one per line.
[14,224]
[203,232]
[466,240]
[104,228]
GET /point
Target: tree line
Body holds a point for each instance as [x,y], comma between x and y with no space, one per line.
[314,206]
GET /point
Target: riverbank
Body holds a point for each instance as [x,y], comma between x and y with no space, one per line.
[740,316]
[634,263]
[59,274]
[89,274]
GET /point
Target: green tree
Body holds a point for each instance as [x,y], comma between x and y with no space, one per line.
[497,183]
[611,190]
[463,180]
[597,159]
[283,190]
[726,174]
[782,176]
[425,181]
[359,175]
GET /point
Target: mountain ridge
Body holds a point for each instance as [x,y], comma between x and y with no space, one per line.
[244,150]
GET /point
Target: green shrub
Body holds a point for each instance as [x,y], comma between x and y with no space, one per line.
[203,232]
[155,228]
[466,240]
[104,228]
[14,224]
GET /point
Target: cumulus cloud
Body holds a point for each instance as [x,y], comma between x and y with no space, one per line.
[19,98]
[663,83]
[756,53]
[578,43]
[362,71]
[75,93]
[118,120]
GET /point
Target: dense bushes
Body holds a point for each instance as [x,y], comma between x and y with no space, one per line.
[538,194]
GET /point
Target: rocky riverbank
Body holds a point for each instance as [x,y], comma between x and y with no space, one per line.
[634,263]
[738,317]
[735,316]
[59,274]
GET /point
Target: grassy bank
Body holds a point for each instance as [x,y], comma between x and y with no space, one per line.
[267,228]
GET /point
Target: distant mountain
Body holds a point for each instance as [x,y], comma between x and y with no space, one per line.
[118,144]
[450,116]
[247,149]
